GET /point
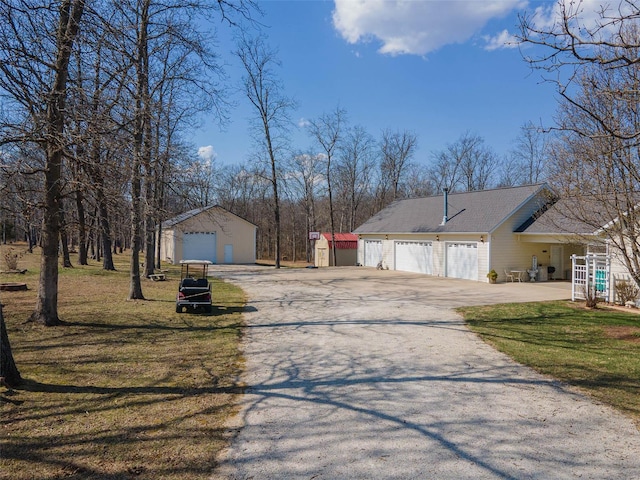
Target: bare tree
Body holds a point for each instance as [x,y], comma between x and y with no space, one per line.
[530,153]
[36,43]
[419,182]
[397,149]
[355,169]
[265,93]
[572,41]
[598,171]
[467,165]
[327,132]
[595,163]
[304,180]
[479,165]
[9,373]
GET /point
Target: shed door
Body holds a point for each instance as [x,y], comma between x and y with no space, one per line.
[199,246]
[414,257]
[372,252]
[462,260]
[228,253]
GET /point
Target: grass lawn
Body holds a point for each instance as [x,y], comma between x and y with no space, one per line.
[126,389]
[596,350]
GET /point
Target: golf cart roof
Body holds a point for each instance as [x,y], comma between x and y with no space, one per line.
[196,262]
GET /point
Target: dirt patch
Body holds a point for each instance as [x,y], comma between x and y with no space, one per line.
[627,333]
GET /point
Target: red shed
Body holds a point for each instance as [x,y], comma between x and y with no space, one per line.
[346,250]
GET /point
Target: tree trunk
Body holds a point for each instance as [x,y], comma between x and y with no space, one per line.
[82,230]
[140,122]
[149,223]
[9,373]
[331,219]
[46,311]
[105,232]
[64,240]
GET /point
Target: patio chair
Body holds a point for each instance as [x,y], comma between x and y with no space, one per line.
[509,276]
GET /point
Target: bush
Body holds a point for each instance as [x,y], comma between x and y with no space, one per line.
[591,297]
[626,291]
[11,258]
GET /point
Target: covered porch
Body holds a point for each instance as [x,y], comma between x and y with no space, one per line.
[550,255]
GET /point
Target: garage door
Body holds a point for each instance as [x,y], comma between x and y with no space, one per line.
[199,246]
[414,257]
[462,260]
[372,252]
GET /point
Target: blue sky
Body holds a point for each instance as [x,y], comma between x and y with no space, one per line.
[436,68]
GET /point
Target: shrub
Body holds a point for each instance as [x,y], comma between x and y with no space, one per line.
[591,297]
[626,291]
[11,258]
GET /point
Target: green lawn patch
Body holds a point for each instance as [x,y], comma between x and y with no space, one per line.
[596,350]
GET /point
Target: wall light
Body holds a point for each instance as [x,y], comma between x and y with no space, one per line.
[482,238]
[386,237]
[437,238]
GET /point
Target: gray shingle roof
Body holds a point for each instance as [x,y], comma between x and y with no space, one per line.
[192,213]
[480,211]
[183,216]
[564,218]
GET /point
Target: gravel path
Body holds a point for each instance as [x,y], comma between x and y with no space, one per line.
[364,374]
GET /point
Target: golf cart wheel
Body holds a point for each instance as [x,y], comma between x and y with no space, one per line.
[178,308]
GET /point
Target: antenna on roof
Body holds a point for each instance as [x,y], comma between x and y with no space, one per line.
[445,218]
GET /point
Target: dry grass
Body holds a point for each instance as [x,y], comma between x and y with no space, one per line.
[127,389]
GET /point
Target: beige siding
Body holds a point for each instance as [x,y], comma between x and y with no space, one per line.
[619,271]
[168,246]
[229,230]
[388,255]
[321,253]
[438,245]
[501,249]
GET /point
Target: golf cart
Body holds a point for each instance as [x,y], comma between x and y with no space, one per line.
[194,291]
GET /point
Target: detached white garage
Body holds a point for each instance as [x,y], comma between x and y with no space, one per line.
[210,233]
[414,257]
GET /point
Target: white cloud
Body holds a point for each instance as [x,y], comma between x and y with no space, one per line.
[591,19]
[303,123]
[416,27]
[504,39]
[208,154]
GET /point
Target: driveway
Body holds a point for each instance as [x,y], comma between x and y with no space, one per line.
[356,373]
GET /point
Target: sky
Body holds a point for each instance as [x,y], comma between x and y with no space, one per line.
[437,68]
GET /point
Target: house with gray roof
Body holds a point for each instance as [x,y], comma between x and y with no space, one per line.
[465,235]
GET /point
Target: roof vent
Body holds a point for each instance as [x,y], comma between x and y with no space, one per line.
[445,218]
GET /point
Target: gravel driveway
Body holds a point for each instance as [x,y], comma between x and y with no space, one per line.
[356,373]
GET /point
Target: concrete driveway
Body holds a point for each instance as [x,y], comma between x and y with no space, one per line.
[356,373]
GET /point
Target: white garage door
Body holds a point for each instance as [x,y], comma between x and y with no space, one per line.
[414,257]
[199,246]
[462,260]
[372,252]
